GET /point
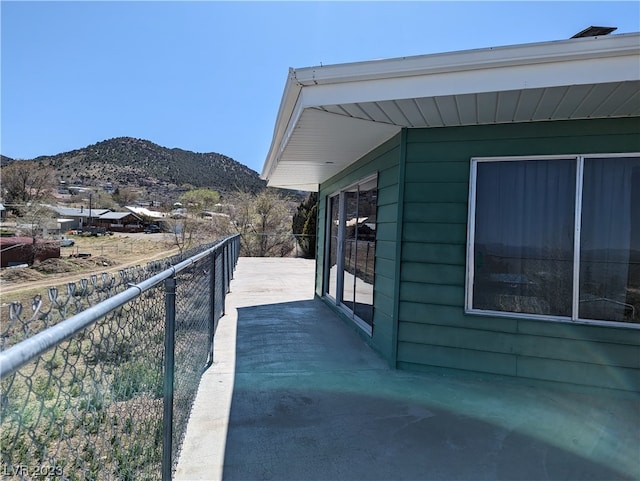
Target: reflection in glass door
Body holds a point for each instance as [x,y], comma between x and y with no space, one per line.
[332,258]
[351,235]
[365,250]
[350,248]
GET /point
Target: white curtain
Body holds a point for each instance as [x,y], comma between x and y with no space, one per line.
[523,248]
[609,241]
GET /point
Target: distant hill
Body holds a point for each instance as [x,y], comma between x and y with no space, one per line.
[130,162]
[4,160]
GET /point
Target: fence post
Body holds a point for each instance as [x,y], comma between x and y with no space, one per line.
[169,352]
[229,266]
[225,269]
[224,277]
[212,306]
[233,255]
[237,253]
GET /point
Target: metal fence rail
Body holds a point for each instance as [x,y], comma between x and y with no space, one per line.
[105,393]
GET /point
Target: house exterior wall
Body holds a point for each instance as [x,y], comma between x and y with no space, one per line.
[74,223]
[129,223]
[420,271]
[385,162]
[433,327]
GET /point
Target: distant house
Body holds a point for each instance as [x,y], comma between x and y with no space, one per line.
[120,221]
[79,216]
[145,213]
[43,228]
[478,210]
[207,214]
[3,212]
[65,225]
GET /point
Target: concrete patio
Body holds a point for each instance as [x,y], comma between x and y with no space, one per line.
[296,394]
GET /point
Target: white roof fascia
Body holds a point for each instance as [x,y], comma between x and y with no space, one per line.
[283,119]
[116,215]
[577,72]
[538,65]
[478,59]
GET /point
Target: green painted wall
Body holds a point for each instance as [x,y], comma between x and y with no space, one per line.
[419,318]
[433,328]
[385,162]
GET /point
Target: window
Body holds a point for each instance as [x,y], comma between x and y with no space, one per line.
[351,242]
[555,237]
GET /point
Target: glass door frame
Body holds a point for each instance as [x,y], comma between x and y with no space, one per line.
[338,280]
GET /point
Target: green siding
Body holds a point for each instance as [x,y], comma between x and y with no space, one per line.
[433,327]
[386,250]
[438,294]
[602,375]
[419,312]
[437,191]
[444,274]
[384,304]
[434,253]
[386,231]
[466,359]
[435,212]
[580,332]
[434,232]
[454,171]
[516,343]
[419,320]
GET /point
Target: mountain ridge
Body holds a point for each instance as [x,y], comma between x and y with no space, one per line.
[140,163]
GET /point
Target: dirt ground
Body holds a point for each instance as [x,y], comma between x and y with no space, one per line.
[107,254]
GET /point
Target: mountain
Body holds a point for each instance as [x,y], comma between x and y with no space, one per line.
[4,160]
[138,163]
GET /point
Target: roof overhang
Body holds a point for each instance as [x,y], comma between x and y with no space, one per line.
[330,116]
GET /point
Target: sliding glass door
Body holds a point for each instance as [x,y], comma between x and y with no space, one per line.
[351,240]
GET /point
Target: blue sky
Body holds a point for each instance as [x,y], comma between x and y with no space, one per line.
[208,76]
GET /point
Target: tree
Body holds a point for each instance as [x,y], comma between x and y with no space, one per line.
[188,229]
[33,223]
[183,232]
[125,196]
[304,225]
[24,182]
[200,199]
[101,200]
[264,221]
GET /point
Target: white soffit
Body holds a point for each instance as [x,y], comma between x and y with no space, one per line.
[615,99]
[332,116]
[323,144]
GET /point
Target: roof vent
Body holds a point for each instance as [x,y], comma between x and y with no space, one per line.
[595,32]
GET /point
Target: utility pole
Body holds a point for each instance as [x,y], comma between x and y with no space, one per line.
[90,196]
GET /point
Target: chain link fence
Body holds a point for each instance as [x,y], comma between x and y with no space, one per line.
[97,383]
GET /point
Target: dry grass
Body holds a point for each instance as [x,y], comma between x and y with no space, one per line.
[108,254]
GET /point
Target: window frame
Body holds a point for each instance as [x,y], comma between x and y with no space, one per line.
[470,264]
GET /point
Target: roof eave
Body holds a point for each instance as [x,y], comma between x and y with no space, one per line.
[310,87]
[469,60]
[287,105]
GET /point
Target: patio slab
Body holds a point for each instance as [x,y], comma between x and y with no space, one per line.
[296,394]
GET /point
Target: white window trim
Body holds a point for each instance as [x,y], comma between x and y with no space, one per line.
[470,271]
